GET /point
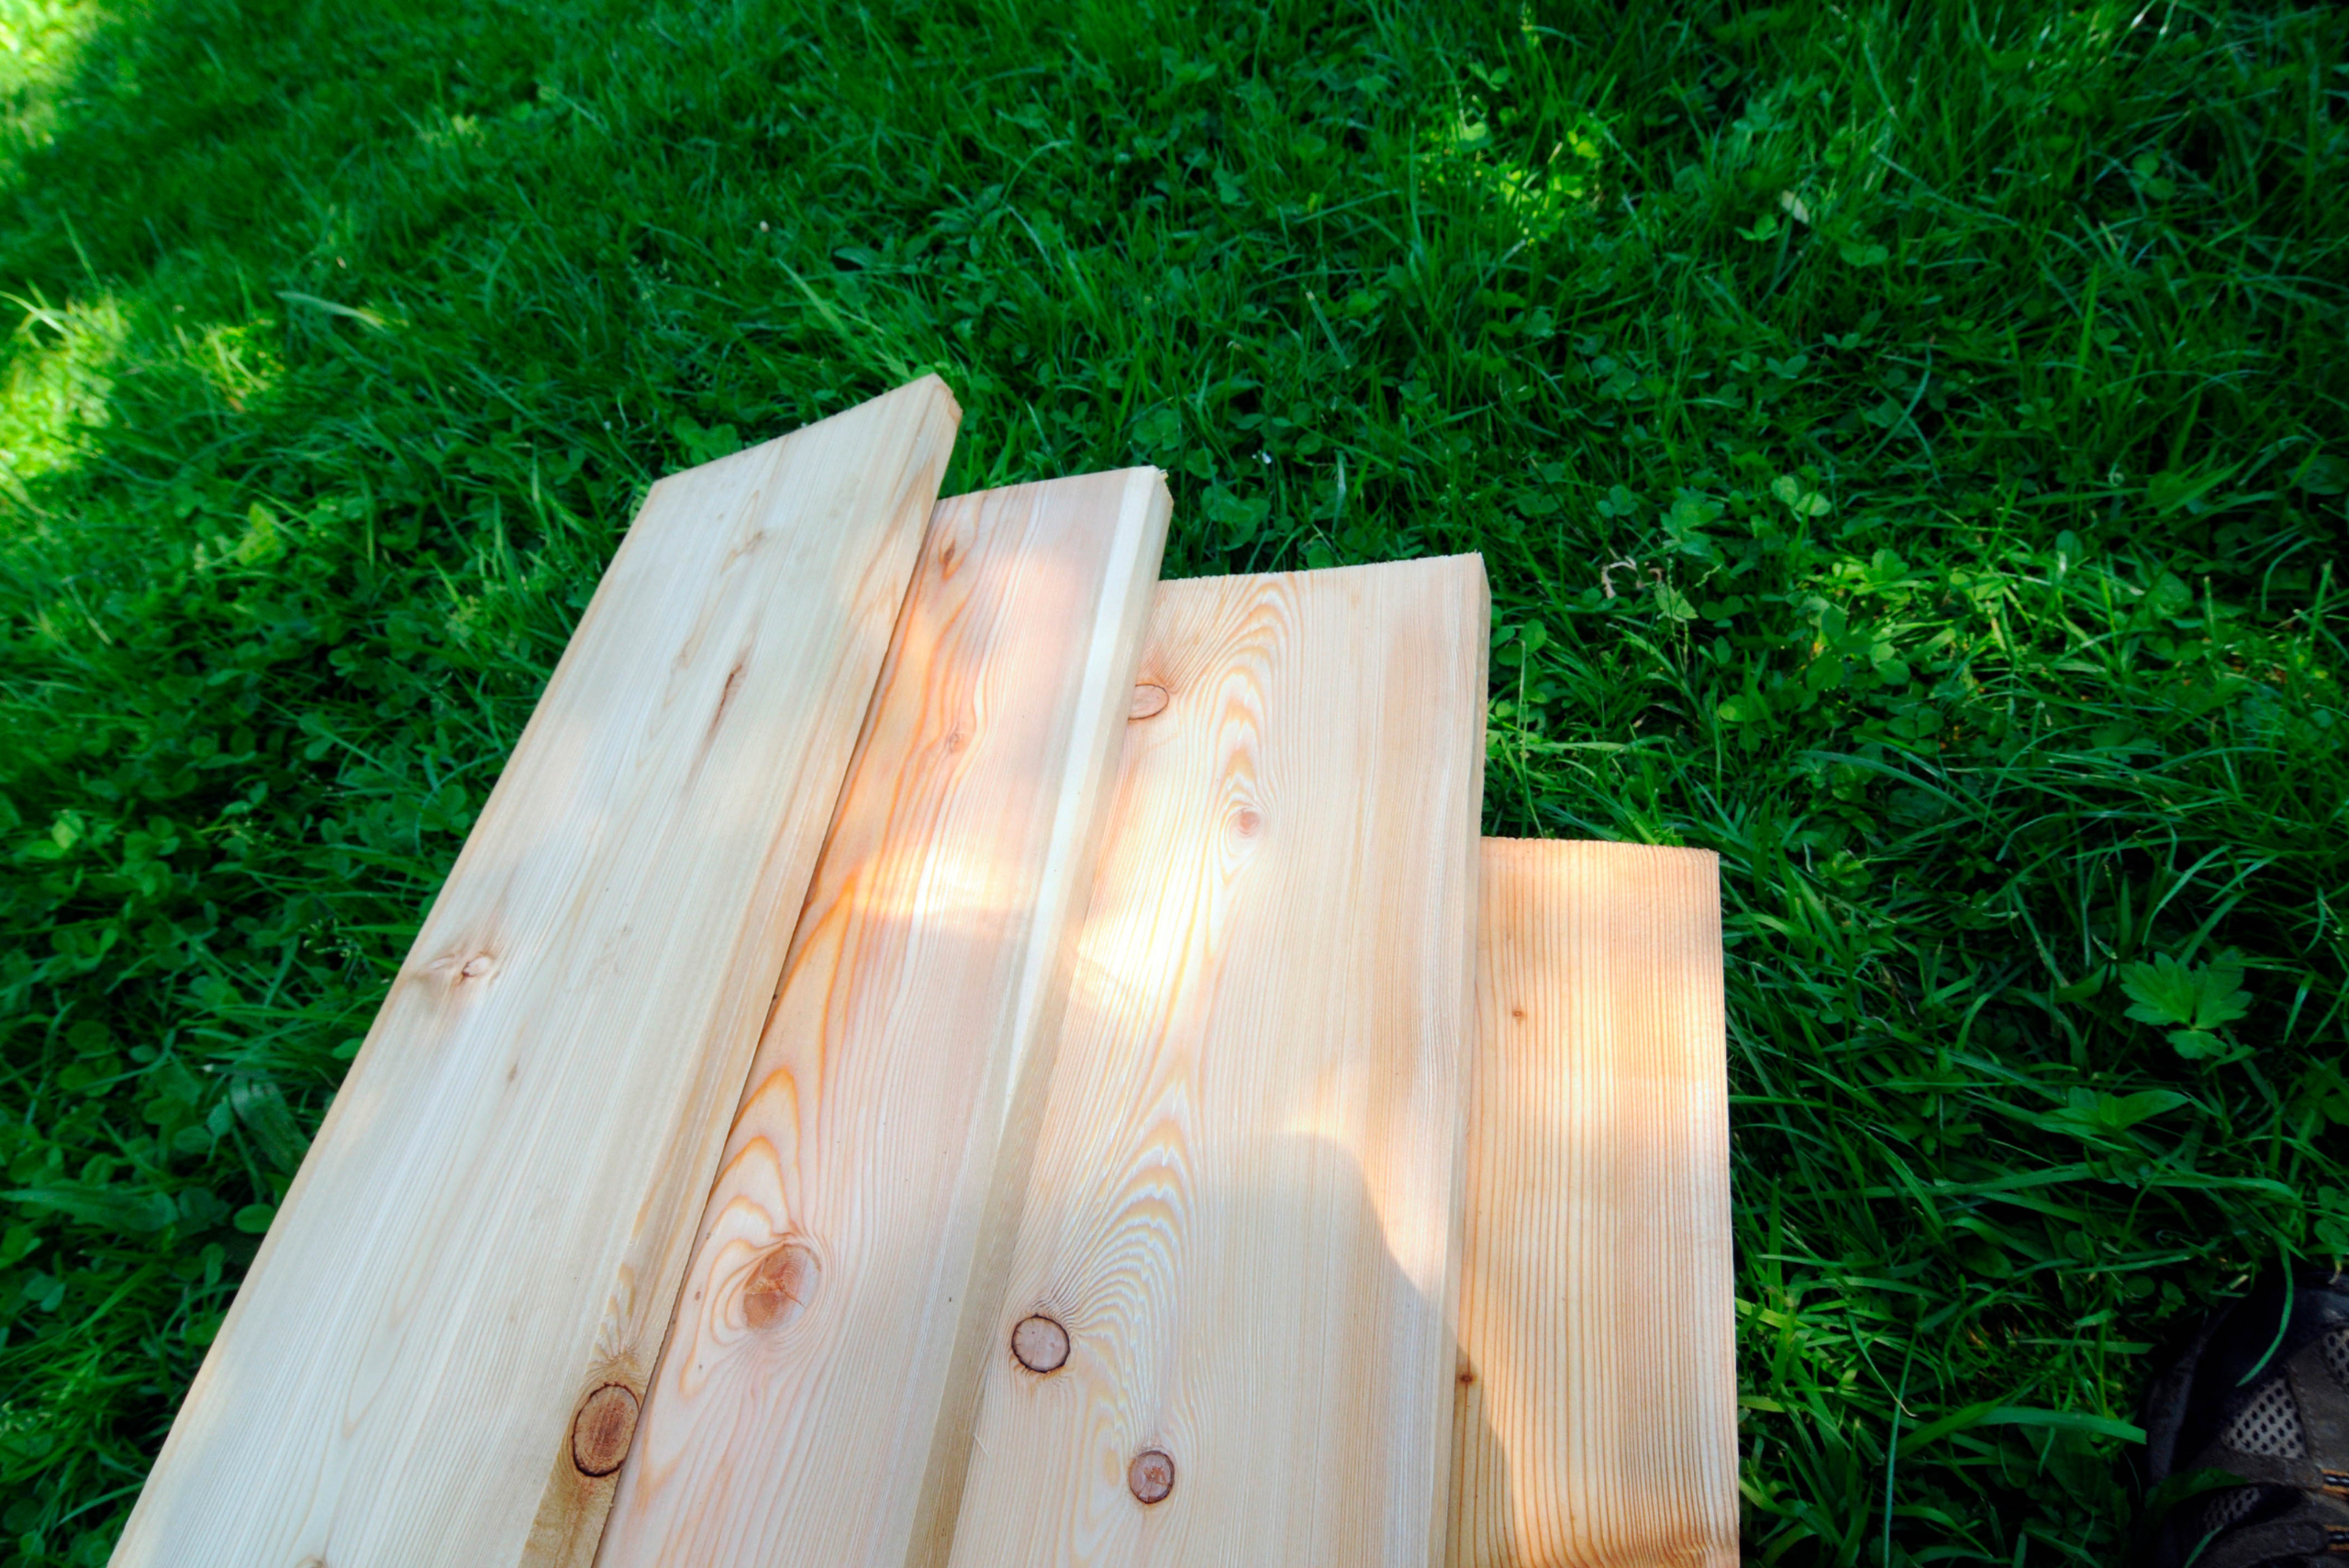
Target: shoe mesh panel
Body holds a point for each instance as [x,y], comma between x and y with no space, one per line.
[2269,1424]
[2228,1509]
[2336,1355]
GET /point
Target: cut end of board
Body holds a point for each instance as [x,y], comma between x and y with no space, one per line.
[927,399]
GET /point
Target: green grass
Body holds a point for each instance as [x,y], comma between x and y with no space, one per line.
[1908,443]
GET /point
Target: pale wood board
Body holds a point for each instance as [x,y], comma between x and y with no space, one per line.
[1596,1417]
[813,1404]
[1244,1199]
[467,1285]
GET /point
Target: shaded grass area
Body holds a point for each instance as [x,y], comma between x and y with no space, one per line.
[1907,444]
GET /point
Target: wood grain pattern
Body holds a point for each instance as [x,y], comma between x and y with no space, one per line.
[1244,1197]
[814,1399]
[1596,1418]
[467,1285]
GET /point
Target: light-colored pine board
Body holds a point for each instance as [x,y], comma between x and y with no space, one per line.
[1596,1416]
[467,1285]
[813,1404]
[1243,1204]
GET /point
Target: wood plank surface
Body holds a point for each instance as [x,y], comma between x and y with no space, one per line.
[813,1404]
[1241,1221]
[468,1282]
[1596,1416]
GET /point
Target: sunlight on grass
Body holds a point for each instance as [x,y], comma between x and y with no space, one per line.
[40,43]
[239,361]
[54,371]
[1539,195]
[59,372]
[57,381]
[443,131]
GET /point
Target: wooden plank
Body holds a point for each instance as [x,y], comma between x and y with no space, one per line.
[821,1334]
[468,1281]
[1243,1211]
[1596,1420]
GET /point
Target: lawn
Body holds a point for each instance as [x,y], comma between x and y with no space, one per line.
[1908,442]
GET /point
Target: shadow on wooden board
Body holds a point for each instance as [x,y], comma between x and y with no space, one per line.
[1244,1214]
[830,1336]
[1124,1396]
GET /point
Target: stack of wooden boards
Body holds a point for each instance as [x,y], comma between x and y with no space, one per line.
[943,1050]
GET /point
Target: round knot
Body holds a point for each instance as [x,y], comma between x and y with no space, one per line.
[1152,1475]
[1039,1344]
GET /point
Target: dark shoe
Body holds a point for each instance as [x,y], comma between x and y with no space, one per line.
[2261,1392]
